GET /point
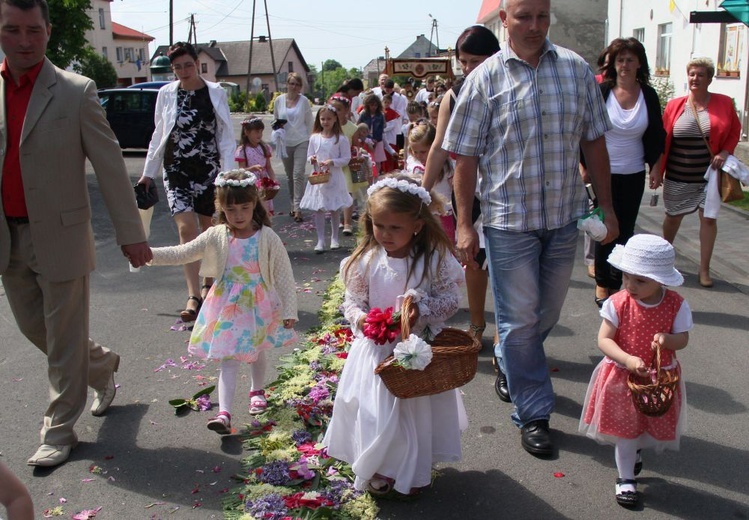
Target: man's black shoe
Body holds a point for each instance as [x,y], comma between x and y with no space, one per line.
[535,438]
[500,386]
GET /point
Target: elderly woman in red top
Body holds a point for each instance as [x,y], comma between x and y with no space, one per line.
[690,122]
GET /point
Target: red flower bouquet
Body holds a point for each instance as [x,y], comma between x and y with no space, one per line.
[382,326]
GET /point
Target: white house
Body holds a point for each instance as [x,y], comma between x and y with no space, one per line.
[670,41]
[125,48]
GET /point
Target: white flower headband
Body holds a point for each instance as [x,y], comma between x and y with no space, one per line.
[247,179]
[401,185]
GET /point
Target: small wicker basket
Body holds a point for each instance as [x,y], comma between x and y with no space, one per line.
[454,363]
[269,193]
[654,398]
[359,170]
[319,177]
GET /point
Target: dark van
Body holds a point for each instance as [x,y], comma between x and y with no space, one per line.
[130,114]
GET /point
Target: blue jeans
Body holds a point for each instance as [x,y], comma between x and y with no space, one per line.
[530,273]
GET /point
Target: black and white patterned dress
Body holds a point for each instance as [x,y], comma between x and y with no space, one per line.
[191,157]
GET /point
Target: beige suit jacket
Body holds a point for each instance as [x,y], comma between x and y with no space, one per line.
[64,125]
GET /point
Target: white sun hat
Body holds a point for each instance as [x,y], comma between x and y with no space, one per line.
[649,256]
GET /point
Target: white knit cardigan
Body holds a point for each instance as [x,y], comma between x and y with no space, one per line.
[212,247]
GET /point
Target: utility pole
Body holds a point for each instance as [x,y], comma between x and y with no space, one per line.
[252,41]
[270,46]
[434,32]
[171,22]
[192,35]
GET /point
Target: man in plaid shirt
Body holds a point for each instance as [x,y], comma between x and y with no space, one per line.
[521,119]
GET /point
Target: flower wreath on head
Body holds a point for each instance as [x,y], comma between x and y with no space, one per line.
[247,179]
[341,99]
[330,107]
[401,185]
[250,120]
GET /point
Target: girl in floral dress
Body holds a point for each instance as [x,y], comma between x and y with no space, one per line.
[645,314]
[252,307]
[254,155]
[391,443]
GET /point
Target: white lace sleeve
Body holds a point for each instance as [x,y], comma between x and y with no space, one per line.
[442,299]
[356,298]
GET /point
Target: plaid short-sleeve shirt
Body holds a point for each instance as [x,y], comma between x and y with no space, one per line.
[525,124]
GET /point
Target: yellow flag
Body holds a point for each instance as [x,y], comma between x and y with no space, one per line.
[671,5]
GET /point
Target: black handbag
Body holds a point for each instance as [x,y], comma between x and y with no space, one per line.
[146,197]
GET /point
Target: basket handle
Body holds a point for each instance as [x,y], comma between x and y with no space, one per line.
[655,362]
[405,312]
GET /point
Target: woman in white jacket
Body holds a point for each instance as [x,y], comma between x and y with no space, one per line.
[193,141]
[295,109]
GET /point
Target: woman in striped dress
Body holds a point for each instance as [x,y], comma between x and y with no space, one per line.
[691,121]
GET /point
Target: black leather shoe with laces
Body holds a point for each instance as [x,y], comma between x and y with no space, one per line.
[500,386]
[536,439]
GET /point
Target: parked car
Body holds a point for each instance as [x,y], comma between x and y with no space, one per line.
[149,84]
[130,114]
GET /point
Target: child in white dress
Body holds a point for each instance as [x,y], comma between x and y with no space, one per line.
[252,306]
[328,150]
[391,443]
[635,320]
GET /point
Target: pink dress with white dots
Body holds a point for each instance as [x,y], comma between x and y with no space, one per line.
[609,412]
[255,156]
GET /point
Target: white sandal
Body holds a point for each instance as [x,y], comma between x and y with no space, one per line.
[220,424]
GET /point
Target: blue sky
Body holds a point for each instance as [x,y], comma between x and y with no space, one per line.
[351,33]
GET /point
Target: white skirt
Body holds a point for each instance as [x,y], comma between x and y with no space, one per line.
[330,196]
[377,433]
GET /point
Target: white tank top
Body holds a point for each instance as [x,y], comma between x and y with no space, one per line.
[624,140]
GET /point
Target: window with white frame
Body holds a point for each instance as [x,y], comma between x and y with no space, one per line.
[105,52]
[639,34]
[129,54]
[118,52]
[663,56]
[102,19]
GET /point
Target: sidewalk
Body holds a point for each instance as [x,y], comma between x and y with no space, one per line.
[730,261]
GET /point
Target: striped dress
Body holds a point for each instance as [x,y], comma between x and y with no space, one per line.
[688,159]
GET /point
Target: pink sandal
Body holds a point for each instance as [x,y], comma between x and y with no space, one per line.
[258,403]
[220,424]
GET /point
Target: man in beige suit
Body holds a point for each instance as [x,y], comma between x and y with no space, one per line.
[50,122]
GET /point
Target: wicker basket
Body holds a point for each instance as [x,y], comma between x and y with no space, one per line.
[320,177]
[358,168]
[654,398]
[454,363]
[269,193]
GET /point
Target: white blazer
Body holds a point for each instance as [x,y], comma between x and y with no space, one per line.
[165,116]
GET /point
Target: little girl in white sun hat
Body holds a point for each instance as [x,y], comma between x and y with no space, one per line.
[635,321]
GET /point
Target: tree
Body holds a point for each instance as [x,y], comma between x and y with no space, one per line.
[70,21]
[98,68]
[329,81]
[331,65]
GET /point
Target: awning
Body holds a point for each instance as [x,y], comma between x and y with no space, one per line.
[739,9]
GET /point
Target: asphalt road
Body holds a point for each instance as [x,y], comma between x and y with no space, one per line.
[141,461]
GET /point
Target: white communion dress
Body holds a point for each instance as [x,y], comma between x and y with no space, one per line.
[371,429]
